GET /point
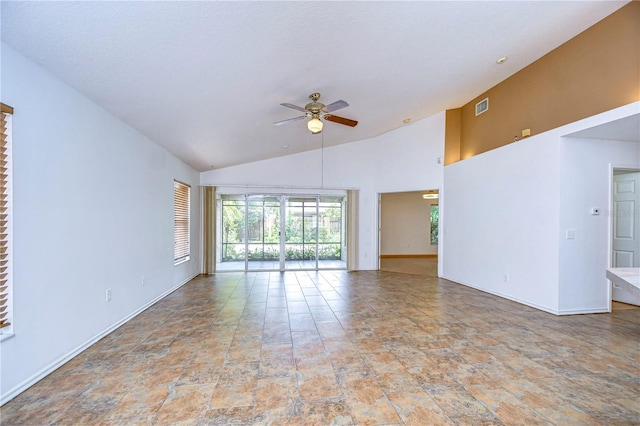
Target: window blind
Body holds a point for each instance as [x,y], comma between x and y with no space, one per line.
[5,212]
[181,247]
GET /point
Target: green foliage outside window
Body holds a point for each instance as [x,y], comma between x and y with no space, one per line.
[434,224]
[303,230]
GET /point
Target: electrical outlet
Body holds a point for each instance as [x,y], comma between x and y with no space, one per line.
[108,295]
[506,278]
[142,280]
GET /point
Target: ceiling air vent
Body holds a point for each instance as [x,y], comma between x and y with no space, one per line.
[482,106]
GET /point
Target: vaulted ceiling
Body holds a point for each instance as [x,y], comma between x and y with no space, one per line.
[206,79]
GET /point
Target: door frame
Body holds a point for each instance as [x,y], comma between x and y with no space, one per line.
[379,229]
[612,169]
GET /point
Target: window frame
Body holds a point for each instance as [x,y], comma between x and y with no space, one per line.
[181,222]
[6,230]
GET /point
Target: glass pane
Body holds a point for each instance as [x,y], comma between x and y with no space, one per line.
[330,233]
[434,224]
[263,232]
[232,256]
[300,233]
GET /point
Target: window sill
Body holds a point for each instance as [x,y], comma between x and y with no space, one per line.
[6,336]
[178,262]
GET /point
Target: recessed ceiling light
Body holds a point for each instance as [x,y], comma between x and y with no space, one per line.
[406,120]
[501,60]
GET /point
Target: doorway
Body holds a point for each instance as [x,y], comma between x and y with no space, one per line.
[280,232]
[625,227]
[408,232]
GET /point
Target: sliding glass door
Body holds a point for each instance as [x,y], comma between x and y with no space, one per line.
[231,245]
[301,233]
[263,232]
[331,232]
[280,232]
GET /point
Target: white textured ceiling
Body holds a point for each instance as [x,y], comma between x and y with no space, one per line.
[205,79]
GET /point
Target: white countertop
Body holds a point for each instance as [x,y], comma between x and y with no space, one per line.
[628,278]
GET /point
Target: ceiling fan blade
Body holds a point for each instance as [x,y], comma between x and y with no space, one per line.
[336,106]
[341,120]
[289,120]
[294,107]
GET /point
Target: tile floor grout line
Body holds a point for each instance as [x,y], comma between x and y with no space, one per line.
[430,347]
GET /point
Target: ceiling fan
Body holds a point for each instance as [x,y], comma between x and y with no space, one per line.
[317,112]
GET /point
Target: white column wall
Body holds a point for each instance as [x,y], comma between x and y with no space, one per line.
[506,212]
[500,226]
[585,181]
[93,209]
[401,160]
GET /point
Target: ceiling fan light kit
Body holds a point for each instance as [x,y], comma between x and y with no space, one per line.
[316,112]
[315,125]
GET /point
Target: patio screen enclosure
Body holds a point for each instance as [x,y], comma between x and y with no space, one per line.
[280,232]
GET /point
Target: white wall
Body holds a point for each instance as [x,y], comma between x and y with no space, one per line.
[406,159]
[501,218]
[585,182]
[93,209]
[405,223]
[506,211]
[402,160]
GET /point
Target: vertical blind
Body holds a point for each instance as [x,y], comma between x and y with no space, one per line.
[181,192]
[5,211]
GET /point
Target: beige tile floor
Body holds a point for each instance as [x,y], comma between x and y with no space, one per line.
[365,348]
[427,266]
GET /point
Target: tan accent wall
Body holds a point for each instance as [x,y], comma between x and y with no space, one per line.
[596,71]
[452,136]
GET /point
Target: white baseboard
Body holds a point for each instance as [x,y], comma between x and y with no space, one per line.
[533,305]
[21,387]
[505,296]
[584,311]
